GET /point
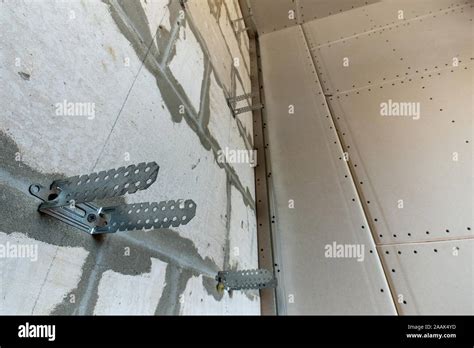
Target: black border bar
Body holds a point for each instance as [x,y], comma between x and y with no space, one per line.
[141,330]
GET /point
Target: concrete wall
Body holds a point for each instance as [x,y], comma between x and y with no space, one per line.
[158,76]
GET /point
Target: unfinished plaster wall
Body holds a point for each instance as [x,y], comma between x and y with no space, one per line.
[158,75]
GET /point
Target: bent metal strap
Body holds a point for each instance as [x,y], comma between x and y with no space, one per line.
[246,279]
[69,200]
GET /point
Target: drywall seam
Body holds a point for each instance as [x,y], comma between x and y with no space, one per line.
[388,26]
[349,169]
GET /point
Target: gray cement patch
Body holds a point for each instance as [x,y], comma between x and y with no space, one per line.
[18,213]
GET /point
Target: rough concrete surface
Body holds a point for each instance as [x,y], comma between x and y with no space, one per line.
[157,76]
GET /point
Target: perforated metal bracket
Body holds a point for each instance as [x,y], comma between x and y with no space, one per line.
[236,22]
[241,19]
[69,199]
[241,97]
[105,184]
[233,101]
[246,279]
[248,108]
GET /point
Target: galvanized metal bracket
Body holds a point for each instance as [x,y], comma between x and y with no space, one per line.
[69,200]
[245,279]
[241,19]
[237,21]
[247,109]
[233,101]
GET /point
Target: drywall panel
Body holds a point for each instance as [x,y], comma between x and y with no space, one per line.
[412,166]
[272,15]
[412,47]
[432,278]
[400,95]
[313,9]
[415,171]
[375,17]
[314,201]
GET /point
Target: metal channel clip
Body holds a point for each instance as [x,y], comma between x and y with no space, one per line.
[245,279]
[238,21]
[233,101]
[69,200]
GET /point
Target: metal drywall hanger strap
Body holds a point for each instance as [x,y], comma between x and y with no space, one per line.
[242,18]
[232,102]
[105,184]
[69,199]
[235,23]
[149,215]
[246,279]
[241,97]
[248,108]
